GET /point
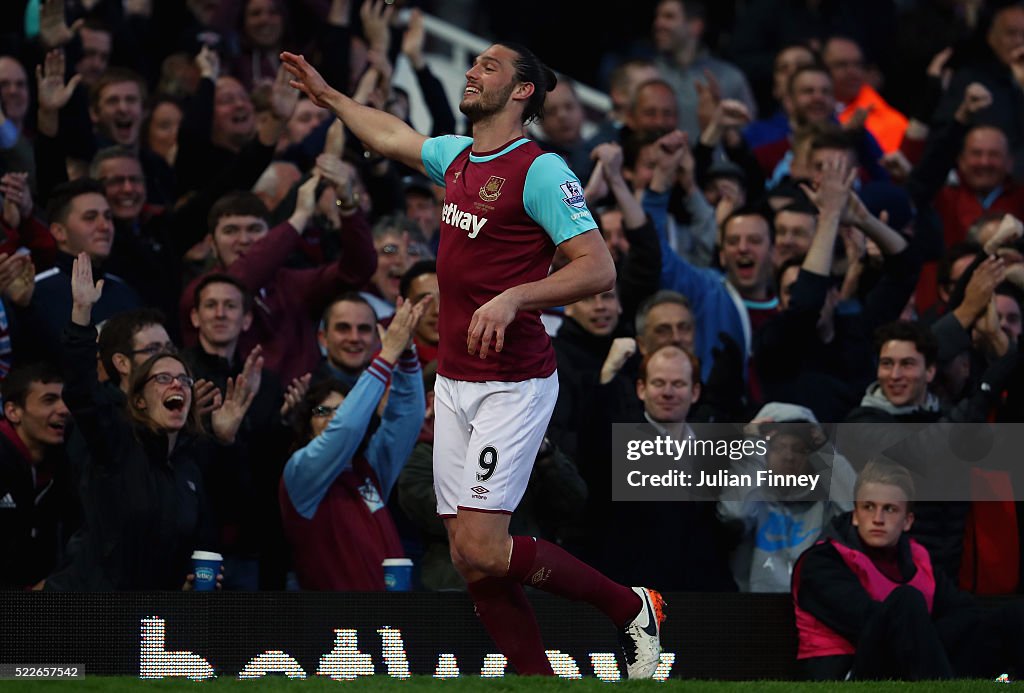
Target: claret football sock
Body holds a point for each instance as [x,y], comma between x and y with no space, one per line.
[547,567]
[506,613]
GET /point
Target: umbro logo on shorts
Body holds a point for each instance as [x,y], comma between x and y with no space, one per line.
[480,490]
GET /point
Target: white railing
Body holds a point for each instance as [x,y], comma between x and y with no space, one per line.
[466,46]
[451,71]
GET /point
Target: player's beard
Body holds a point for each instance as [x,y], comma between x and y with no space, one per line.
[486,105]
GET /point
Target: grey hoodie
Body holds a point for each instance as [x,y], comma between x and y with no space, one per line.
[776,529]
[873,397]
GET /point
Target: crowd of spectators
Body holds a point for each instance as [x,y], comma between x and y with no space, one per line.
[219,319]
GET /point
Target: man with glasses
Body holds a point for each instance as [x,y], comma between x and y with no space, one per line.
[845,61]
[128,339]
[152,240]
[396,240]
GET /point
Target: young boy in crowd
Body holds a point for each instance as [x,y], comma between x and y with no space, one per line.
[870,606]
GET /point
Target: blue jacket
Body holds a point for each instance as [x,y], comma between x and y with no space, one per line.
[715,305]
[311,470]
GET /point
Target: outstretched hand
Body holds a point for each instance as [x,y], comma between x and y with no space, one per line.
[84,293]
[833,192]
[53,93]
[306,79]
[53,26]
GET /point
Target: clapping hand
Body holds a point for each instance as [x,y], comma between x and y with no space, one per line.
[253,368]
[398,336]
[17,278]
[227,418]
[295,393]
[17,198]
[206,396]
[305,202]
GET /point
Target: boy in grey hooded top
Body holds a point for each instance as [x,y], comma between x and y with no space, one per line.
[777,523]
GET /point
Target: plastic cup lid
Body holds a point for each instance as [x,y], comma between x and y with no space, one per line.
[206,556]
[396,562]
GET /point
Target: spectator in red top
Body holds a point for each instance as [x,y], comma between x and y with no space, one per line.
[19,227]
[984,167]
[287,301]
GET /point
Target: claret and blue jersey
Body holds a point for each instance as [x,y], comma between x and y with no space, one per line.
[504,212]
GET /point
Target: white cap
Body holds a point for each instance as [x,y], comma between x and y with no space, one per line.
[206,556]
[387,562]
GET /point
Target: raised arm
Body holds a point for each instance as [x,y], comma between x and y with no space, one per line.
[379,130]
[402,419]
[831,199]
[78,363]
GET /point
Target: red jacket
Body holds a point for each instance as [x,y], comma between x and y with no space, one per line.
[342,547]
[287,302]
[958,208]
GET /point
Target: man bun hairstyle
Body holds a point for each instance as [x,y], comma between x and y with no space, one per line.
[529,68]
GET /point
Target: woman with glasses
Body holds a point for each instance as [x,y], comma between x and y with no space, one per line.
[142,493]
[335,487]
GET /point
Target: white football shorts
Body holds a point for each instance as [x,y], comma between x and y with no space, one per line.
[486,438]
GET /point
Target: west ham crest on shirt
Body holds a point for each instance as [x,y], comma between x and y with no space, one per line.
[492,189]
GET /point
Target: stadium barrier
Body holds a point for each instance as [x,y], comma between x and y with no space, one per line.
[343,635]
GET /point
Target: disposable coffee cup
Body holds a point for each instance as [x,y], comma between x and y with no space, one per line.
[205,566]
[397,574]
